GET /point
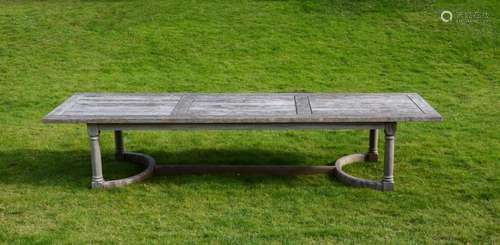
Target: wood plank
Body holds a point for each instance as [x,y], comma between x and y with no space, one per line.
[121,105]
[59,110]
[367,105]
[248,105]
[422,104]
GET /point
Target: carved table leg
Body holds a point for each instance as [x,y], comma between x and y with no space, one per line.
[390,134]
[387,183]
[95,154]
[372,155]
[119,148]
[141,159]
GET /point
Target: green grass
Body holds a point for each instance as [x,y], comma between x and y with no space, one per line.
[447,174]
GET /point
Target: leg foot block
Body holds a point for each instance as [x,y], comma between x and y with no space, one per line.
[96,184]
[371,157]
[387,186]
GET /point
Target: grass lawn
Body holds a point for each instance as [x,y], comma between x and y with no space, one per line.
[447,174]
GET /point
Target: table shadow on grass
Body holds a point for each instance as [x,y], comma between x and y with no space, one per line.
[72,168]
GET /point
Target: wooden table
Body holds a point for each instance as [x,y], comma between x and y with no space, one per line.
[204,111]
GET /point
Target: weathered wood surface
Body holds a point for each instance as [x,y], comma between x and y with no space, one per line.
[242,108]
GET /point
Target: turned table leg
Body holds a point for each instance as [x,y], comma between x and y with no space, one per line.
[372,155]
[388,180]
[95,154]
[119,148]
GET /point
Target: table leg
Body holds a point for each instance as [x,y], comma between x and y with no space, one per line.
[95,154]
[390,134]
[372,155]
[119,148]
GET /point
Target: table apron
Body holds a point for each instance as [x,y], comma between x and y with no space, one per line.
[243,126]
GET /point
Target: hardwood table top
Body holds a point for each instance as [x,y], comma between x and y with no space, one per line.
[197,108]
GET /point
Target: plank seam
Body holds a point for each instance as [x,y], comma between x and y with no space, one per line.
[296,104]
[302,105]
[416,104]
[183,105]
[309,105]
